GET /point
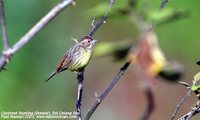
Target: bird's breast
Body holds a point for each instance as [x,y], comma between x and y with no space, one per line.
[81,60]
[86,55]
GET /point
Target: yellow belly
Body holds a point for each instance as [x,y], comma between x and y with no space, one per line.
[80,61]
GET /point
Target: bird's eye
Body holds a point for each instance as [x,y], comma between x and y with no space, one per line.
[89,41]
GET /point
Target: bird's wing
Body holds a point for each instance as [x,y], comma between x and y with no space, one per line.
[64,63]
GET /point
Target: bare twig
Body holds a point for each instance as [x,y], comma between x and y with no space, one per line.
[190,114]
[3,25]
[98,24]
[34,30]
[101,20]
[180,104]
[111,4]
[80,77]
[107,90]
[150,100]
[163,3]
[184,84]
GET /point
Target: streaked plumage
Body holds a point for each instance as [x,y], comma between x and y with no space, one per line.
[77,57]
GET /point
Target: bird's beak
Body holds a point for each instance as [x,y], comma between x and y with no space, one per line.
[94,41]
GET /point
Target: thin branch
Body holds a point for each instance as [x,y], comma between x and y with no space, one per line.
[193,112]
[150,100]
[190,114]
[184,84]
[3,25]
[107,90]
[101,20]
[80,77]
[98,24]
[180,104]
[111,4]
[35,29]
[163,4]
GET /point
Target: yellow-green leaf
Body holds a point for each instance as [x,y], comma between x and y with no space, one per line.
[194,87]
[197,77]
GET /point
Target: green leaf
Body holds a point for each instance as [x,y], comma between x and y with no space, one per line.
[197,77]
[194,87]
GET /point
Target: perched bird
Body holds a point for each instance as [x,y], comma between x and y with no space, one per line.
[77,57]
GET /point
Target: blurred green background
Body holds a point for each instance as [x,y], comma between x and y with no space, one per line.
[22,86]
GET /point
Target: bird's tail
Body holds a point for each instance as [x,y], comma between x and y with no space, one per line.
[51,75]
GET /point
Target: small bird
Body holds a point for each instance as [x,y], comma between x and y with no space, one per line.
[77,57]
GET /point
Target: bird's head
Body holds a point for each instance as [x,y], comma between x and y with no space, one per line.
[88,42]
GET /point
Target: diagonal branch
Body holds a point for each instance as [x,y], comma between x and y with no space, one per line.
[107,90]
[34,30]
[80,77]
[3,26]
[190,114]
[180,104]
[101,20]
[163,4]
[98,24]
